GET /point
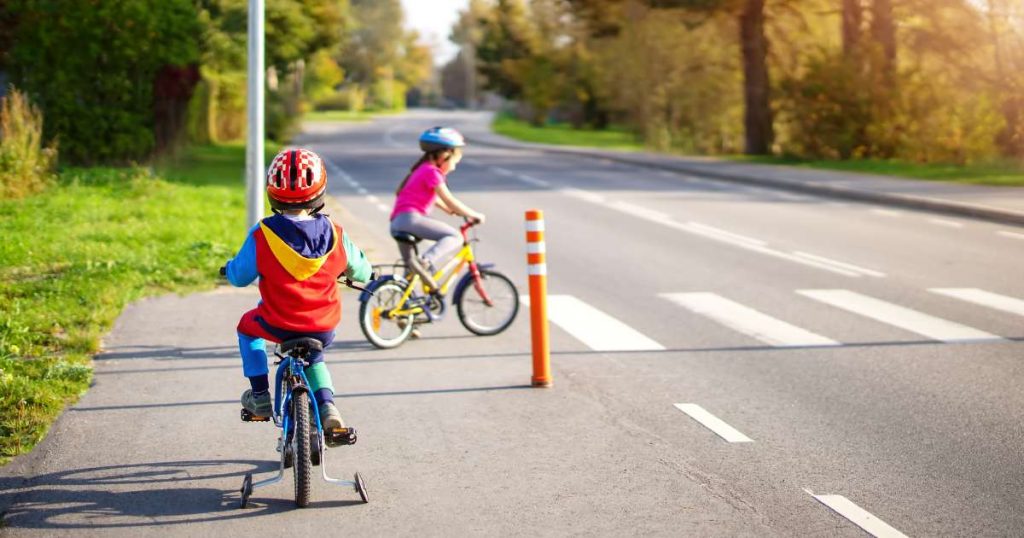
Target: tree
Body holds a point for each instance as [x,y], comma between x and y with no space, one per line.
[93,68]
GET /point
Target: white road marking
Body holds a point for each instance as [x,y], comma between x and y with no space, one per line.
[597,330]
[726,234]
[373,199]
[844,265]
[384,208]
[361,190]
[388,136]
[1012,235]
[904,318]
[709,232]
[503,171]
[533,181]
[858,516]
[713,423]
[984,298]
[947,223]
[748,321]
[886,212]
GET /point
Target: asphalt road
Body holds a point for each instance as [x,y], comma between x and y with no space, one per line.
[864,361]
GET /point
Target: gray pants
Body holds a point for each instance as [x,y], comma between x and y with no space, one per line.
[446,238]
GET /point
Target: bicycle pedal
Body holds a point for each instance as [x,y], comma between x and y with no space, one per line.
[340,436]
[248,416]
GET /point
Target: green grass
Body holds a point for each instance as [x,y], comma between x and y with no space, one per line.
[72,257]
[565,135]
[1005,173]
[343,115]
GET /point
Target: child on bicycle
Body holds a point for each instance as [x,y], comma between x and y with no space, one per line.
[298,255]
[424,186]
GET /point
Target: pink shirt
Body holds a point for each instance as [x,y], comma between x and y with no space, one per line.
[419,192]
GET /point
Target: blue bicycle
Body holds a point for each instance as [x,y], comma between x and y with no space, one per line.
[302,440]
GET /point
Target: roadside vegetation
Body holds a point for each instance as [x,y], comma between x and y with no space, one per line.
[563,134]
[914,82]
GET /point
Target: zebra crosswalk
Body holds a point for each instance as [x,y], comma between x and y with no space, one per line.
[604,331]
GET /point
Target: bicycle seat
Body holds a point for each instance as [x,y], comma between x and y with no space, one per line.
[406,237]
[301,348]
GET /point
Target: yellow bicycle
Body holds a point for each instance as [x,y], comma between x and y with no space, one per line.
[392,305]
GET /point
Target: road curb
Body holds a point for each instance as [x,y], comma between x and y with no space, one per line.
[933,205]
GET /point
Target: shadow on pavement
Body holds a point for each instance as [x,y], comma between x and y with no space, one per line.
[109,497]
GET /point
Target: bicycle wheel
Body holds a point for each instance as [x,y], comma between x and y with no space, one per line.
[381,331]
[302,467]
[487,319]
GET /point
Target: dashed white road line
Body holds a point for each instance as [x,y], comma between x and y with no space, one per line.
[748,321]
[388,136]
[947,223]
[533,181]
[597,330]
[898,316]
[984,298]
[844,265]
[713,423]
[1011,235]
[858,516]
[717,234]
[384,208]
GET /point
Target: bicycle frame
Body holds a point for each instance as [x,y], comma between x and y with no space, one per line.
[463,258]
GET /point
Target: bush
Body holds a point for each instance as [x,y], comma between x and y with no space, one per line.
[25,165]
[92,67]
[351,98]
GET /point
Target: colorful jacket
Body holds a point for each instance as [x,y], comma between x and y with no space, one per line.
[298,263]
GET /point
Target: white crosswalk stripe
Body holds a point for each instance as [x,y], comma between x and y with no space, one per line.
[748,321]
[598,330]
[984,298]
[898,316]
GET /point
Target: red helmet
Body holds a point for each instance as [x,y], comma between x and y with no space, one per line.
[296,179]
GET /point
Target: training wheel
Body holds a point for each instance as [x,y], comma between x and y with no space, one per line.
[361,489]
[246,490]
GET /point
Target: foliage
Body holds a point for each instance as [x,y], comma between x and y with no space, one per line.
[913,80]
[91,67]
[25,165]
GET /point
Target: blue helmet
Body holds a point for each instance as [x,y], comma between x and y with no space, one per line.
[441,138]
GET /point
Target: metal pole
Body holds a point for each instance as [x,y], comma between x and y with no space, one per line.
[254,147]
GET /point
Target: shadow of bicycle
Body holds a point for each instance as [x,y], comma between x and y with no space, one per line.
[174,493]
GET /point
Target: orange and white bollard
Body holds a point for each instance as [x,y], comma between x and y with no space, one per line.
[537,269]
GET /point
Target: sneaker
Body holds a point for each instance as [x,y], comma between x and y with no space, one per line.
[330,418]
[257,405]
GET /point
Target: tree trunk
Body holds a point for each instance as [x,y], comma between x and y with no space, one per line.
[757,118]
[852,19]
[883,31]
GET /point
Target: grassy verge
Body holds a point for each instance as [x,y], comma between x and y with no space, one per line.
[1005,173]
[73,256]
[565,135]
[343,115]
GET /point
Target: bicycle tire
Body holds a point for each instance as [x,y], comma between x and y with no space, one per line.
[302,468]
[502,292]
[385,296]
